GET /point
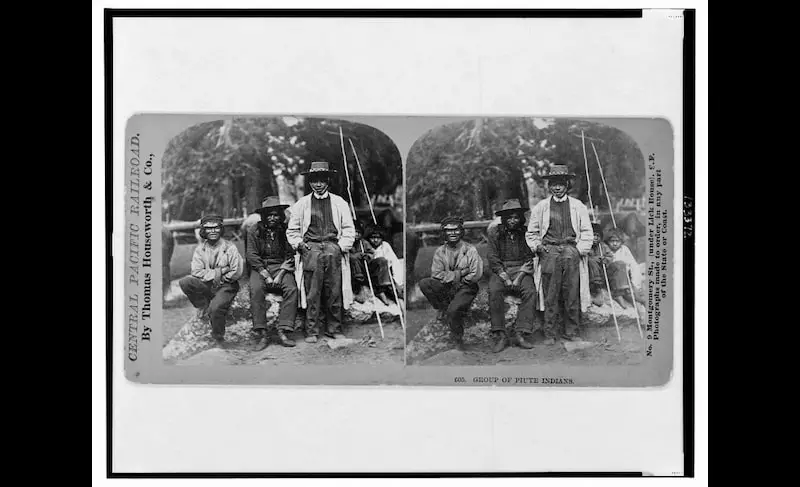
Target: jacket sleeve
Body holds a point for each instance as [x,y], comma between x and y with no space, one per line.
[586,237]
[254,250]
[348,228]
[439,269]
[295,225]
[627,257]
[495,264]
[475,266]
[288,261]
[533,236]
[235,263]
[200,268]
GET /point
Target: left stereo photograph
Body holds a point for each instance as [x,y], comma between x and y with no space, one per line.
[263,249]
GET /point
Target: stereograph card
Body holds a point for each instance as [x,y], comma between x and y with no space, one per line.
[304,249]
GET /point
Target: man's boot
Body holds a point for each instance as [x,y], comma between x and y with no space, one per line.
[219,340]
[261,340]
[285,340]
[458,340]
[524,340]
[499,341]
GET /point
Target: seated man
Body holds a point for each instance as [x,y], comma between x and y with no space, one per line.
[621,266]
[596,260]
[271,261]
[511,261]
[455,272]
[359,255]
[214,280]
[381,264]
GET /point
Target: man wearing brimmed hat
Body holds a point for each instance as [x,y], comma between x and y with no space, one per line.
[455,272]
[560,233]
[511,262]
[271,261]
[321,230]
[214,279]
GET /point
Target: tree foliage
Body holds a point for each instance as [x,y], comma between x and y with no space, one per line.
[228,165]
[469,168]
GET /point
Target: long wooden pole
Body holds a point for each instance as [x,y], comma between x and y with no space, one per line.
[630,286]
[375,222]
[353,210]
[602,261]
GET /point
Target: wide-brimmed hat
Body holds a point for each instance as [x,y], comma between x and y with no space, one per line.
[559,171]
[511,206]
[270,202]
[319,167]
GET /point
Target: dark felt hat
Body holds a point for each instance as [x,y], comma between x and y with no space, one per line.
[270,202]
[511,206]
[559,171]
[319,167]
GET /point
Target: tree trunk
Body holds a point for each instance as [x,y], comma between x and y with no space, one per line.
[253,200]
[226,190]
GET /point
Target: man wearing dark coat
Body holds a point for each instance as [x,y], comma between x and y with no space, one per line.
[511,263]
[271,261]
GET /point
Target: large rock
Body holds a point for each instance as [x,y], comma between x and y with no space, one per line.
[361,313]
[195,336]
[434,338]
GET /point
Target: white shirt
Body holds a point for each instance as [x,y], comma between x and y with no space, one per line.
[560,200]
[320,197]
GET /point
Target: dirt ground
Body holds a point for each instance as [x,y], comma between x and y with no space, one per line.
[368,348]
[363,343]
[606,349]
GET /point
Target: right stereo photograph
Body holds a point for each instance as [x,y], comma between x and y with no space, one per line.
[534,241]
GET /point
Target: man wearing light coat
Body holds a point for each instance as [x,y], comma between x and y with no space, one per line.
[322,232]
[560,234]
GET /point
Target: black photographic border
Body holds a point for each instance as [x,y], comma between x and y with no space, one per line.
[688,197]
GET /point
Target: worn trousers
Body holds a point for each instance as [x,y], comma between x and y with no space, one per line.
[379,272]
[453,299]
[497,293]
[596,277]
[218,299]
[322,280]
[561,286]
[258,299]
[618,279]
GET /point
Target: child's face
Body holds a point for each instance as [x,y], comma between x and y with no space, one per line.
[358,235]
[614,243]
[376,240]
[596,238]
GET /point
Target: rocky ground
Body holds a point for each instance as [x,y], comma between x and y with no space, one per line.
[187,339]
[429,341]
